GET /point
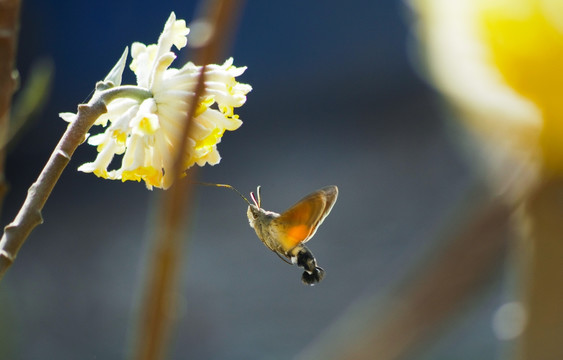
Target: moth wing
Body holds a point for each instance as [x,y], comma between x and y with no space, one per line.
[300,222]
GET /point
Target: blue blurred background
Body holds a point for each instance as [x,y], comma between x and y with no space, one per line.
[335,101]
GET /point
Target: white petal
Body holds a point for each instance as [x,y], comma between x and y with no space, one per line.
[68,116]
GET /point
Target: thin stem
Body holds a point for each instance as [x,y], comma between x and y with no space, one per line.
[129,91]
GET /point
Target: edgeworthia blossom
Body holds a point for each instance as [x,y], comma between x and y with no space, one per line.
[144,127]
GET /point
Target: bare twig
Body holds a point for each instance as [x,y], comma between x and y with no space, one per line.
[157,312]
[29,215]
[9,29]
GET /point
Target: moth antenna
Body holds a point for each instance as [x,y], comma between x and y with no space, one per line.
[259,197]
[224,186]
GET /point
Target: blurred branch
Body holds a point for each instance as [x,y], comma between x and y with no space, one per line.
[419,308]
[542,267]
[155,319]
[9,29]
[30,99]
[157,312]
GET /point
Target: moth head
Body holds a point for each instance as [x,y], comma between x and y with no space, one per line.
[253,213]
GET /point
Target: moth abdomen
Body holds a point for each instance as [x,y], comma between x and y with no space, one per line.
[305,259]
[314,277]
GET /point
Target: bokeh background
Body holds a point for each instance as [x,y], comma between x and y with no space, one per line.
[335,100]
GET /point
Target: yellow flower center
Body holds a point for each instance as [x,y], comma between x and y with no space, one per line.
[101,173]
[148,125]
[203,106]
[149,174]
[209,140]
[119,136]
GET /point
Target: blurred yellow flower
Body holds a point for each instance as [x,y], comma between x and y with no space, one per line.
[146,130]
[500,62]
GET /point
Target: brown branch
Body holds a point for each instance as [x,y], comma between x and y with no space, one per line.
[9,29]
[29,216]
[157,312]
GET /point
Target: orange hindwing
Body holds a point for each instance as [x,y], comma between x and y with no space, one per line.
[300,222]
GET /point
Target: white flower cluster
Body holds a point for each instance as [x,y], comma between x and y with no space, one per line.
[146,131]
